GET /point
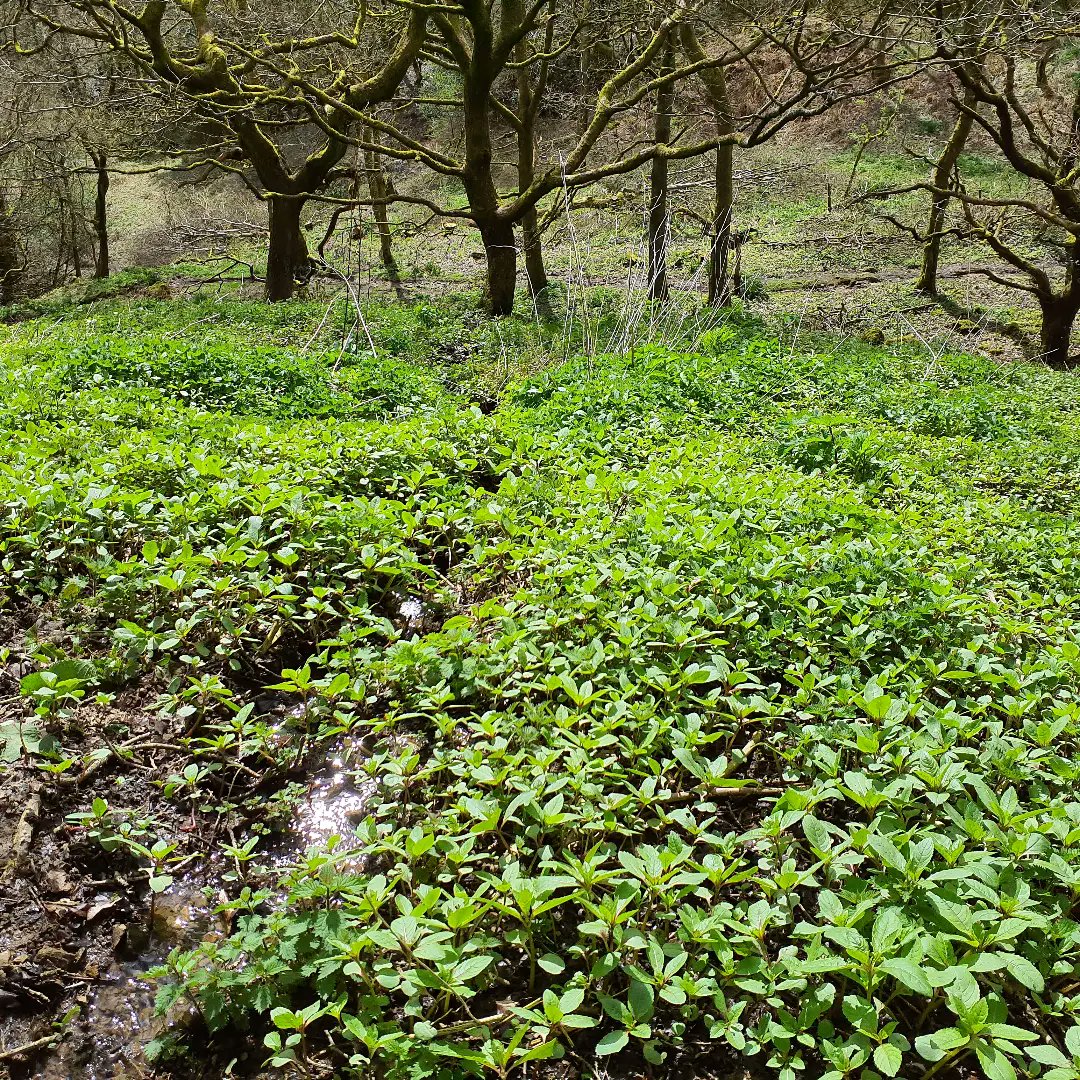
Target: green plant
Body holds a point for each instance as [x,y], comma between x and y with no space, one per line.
[58,686]
[741,707]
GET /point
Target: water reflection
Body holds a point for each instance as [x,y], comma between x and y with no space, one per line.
[335,801]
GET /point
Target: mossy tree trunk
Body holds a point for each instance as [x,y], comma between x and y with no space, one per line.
[10,264]
[720,283]
[1059,309]
[501,250]
[529,97]
[76,223]
[714,79]
[944,180]
[1055,337]
[479,69]
[101,213]
[288,253]
[379,190]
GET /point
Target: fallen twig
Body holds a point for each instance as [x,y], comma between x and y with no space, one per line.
[26,1048]
[24,835]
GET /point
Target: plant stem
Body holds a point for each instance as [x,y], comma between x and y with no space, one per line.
[946,1060]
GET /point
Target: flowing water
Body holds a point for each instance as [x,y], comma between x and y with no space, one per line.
[334,803]
[106,1040]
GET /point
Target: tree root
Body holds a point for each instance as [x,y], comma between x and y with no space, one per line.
[23,836]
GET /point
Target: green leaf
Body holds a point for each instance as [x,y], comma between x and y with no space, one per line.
[877,708]
[1047,1054]
[579,1020]
[15,738]
[888,1058]
[572,1000]
[888,852]
[612,1043]
[995,1065]
[1025,973]
[928,1049]
[1011,1033]
[908,974]
[817,832]
[545,1051]
[641,999]
[618,1012]
[339,685]
[1072,1041]
[469,969]
[286,1019]
[949,1038]
[80,671]
[552,964]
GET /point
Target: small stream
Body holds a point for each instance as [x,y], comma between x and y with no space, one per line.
[106,1040]
[335,801]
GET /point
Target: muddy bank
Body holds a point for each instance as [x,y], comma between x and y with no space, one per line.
[107,1039]
[75,919]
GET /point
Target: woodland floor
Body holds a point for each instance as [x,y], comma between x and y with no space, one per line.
[132,399]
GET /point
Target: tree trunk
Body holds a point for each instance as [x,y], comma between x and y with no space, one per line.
[531,243]
[943,180]
[9,255]
[498,237]
[535,270]
[288,249]
[101,216]
[478,180]
[1058,317]
[714,80]
[1059,311]
[659,222]
[380,190]
[723,213]
[61,243]
[76,254]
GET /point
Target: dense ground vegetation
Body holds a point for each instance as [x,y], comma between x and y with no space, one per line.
[614,614]
[698,708]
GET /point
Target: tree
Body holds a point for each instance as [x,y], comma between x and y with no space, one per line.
[379,187]
[659,216]
[714,79]
[11,264]
[945,181]
[484,47]
[100,159]
[216,56]
[10,267]
[1017,73]
[533,66]
[1037,130]
[45,230]
[786,69]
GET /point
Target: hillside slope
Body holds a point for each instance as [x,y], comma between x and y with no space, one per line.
[713,709]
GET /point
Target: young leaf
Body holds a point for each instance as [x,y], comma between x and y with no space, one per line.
[612,1043]
[908,974]
[888,1058]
